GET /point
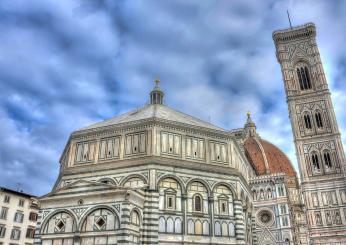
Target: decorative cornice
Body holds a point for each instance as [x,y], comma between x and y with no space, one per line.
[304,31]
[147,123]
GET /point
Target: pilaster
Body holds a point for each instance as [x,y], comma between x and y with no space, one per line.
[239,222]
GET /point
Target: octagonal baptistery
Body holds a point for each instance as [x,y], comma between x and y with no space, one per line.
[153,175]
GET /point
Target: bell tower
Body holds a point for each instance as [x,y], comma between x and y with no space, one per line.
[319,149]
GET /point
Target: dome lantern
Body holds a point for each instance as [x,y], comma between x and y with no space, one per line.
[250,126]
[156,95]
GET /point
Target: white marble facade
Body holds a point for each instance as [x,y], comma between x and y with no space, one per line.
[155,175]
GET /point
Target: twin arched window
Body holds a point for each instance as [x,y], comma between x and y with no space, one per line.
[327,160]
[318,120]
[304,78]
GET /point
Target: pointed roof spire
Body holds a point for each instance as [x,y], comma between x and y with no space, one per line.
[156,95]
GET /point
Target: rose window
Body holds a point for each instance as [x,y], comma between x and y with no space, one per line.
[265,217]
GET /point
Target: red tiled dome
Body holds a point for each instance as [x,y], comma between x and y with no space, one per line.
[257,150]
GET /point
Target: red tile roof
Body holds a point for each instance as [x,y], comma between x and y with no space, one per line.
[278,162]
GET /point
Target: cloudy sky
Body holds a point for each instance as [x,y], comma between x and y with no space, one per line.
[66,64]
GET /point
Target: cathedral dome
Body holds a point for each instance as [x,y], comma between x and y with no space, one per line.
[266,158]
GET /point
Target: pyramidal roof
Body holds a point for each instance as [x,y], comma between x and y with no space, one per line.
[154,110]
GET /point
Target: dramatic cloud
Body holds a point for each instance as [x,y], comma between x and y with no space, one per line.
[66,64]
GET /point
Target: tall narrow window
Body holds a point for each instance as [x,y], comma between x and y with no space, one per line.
[135,218]
[315,163]
[300,79]
[308,83]
[3,214]
[7,199]
[2,231]
[304,78]
[307,121]
[198,203]
[223,205]
[170,201]
[21,203]
[327,160]
[15,234]
[318,118]
[30,233]
[33,216]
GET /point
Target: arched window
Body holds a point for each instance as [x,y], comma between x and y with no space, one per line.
[224,229]
[205,228]
[170,193]
[231,229]
[190,227]
[217,229]
[269,193]
[170,225]
[300,79]
[135,218]
[315,162]
[318,119]
[61,222]
[197,201]
[327,160]
[223,200]
[261,193]
[307,122]
[198,227]
[304,78]
[178,226]
[100,220]
[162,224]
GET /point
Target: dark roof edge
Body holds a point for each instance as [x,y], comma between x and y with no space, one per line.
[16,192]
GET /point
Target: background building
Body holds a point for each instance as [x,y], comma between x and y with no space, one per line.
[18,217]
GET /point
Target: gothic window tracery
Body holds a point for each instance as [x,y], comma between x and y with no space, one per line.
[315,163]
[269,193]
[303,77]
[318,119]
[171,225]
[254,194]
[318,218]
[307,121]
[327,161]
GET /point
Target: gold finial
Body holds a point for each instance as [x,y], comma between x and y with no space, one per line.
[248,114]
[157,82]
